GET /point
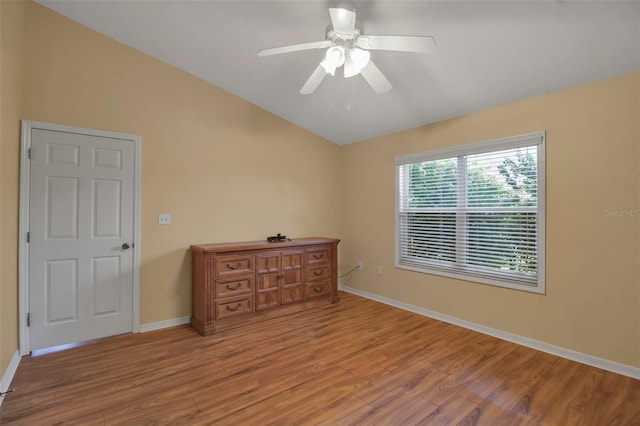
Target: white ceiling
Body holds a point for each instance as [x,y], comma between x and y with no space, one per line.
[489,53]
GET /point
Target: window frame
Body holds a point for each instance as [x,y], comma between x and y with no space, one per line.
[512,142]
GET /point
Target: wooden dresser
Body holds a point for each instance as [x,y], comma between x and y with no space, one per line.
[235,284]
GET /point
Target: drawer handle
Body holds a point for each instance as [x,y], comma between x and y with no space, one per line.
[318,289]
[318,273]
[318,256]
[234,288]
[229,308]
[230,266]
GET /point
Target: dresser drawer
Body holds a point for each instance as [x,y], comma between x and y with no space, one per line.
[232,308]
[318,273]
[228,266]
[234,287]
[317,289]
[317,255]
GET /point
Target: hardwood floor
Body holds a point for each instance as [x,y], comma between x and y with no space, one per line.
[357,362]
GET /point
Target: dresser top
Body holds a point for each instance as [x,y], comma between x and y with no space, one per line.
[260,245]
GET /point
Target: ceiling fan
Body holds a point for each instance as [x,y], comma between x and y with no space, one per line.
[347,46]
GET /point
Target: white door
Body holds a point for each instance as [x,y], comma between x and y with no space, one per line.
[81,216]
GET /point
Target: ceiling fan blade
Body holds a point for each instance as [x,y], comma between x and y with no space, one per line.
[314,81]
[375,78]
[419,44]
[295,48]
[343,20]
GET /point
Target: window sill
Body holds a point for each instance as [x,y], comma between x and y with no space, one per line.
[538,289]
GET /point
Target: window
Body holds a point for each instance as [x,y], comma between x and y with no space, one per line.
[474,212]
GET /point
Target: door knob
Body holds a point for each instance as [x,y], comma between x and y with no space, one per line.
[126,246]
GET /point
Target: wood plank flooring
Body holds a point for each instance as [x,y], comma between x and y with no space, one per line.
[357,362]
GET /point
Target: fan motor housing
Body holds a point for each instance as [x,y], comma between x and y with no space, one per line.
[334,36]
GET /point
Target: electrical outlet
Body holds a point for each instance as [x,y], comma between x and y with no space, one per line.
[164,219]
[379,269]
[360,265]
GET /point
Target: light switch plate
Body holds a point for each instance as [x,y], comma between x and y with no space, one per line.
[164,219]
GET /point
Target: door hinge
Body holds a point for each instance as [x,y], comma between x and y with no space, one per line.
[29,319]
[29,153]
[28,236]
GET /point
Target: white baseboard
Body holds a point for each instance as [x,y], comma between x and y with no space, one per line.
[7,377]
[164,324]
[605,364]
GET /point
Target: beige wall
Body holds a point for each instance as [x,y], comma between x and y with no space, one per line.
[592,303]
[224,169]
[11,37]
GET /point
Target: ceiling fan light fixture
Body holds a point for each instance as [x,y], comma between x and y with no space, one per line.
[356,60]
[347,46]
[333,59]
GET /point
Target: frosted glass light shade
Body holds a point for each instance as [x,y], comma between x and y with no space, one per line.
[356,60]
[333,59]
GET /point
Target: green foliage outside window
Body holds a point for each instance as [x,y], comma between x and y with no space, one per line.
[496,239]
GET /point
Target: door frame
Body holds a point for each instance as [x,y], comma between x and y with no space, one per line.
[23,228]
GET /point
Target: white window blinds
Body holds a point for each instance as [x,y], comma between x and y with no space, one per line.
[475,212]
